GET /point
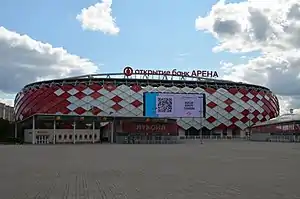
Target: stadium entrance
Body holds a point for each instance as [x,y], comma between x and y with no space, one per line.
[158,131]
[64,129]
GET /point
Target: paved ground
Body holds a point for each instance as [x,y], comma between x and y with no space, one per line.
[221,169]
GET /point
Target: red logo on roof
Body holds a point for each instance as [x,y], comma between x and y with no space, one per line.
[128,71]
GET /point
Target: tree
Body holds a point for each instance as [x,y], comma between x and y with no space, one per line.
[6,130]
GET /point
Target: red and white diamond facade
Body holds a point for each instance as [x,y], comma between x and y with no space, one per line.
[230,105]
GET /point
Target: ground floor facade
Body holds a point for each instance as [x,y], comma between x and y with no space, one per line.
[276,137]
[60,129]
[81,136]
[278,132]
[41,129]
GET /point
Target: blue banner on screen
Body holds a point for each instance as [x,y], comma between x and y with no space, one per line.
[174,105]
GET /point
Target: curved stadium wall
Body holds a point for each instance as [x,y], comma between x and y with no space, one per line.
[230,105]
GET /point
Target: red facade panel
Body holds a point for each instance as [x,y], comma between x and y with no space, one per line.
[147,127]
[278,128]
[226,108]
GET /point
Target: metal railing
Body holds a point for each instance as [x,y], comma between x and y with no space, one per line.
[213,137]
[175,141]
[284,139]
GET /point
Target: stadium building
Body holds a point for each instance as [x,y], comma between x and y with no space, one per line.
[284,128]
[87,108]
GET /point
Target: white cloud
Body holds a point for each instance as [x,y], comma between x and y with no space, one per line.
[24,60]
[183,54]
[7,99]
[99,17]
[9,102]
[271,27]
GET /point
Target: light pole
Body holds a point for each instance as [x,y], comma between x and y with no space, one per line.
[74,131]
[293,125]
[33,130]
[250,110]
[201,127]
[54,131]
[112,128]
[201,131]
[16,127]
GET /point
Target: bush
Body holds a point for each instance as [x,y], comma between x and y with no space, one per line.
[6,130]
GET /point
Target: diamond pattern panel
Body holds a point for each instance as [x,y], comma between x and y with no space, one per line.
[226,108]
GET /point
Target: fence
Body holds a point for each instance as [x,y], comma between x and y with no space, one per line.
[177,140]
[151,142]
[284,138]
[280,138]
[213,137]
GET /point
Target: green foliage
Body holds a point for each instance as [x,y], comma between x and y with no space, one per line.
[6,130]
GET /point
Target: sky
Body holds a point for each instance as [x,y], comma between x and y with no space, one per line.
[254,41]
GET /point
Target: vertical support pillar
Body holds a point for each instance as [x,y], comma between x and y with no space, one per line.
[229,132]
[74,132]
[93,132]
[54,131]
[33,130]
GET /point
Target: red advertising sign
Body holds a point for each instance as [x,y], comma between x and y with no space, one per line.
[128,71]
[147,127]
[277,128]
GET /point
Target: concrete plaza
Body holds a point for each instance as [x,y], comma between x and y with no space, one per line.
[216,169]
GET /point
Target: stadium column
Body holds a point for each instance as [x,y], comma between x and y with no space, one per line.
[229,132]
[33,129]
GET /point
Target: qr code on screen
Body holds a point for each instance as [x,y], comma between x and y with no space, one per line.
[165,105]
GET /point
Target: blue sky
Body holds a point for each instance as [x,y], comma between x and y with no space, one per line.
[153,33]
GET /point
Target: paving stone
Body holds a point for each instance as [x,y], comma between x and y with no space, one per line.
[221,169]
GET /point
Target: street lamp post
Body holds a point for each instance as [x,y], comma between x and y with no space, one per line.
[54,131]
[93,124]
[33,130]
[250,109]
[201,131]
[112,128]
[16,127]
[74,131]
[201,127]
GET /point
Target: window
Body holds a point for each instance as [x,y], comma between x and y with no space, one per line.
[91,136]
[80,137]
[70,137]
[59,137]
[65,137]
[85,136]
[76,137]
[95,136]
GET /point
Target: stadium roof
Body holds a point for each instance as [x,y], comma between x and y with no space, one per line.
[167,78]
[285,118]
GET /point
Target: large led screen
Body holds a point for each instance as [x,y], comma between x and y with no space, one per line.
[174,105]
